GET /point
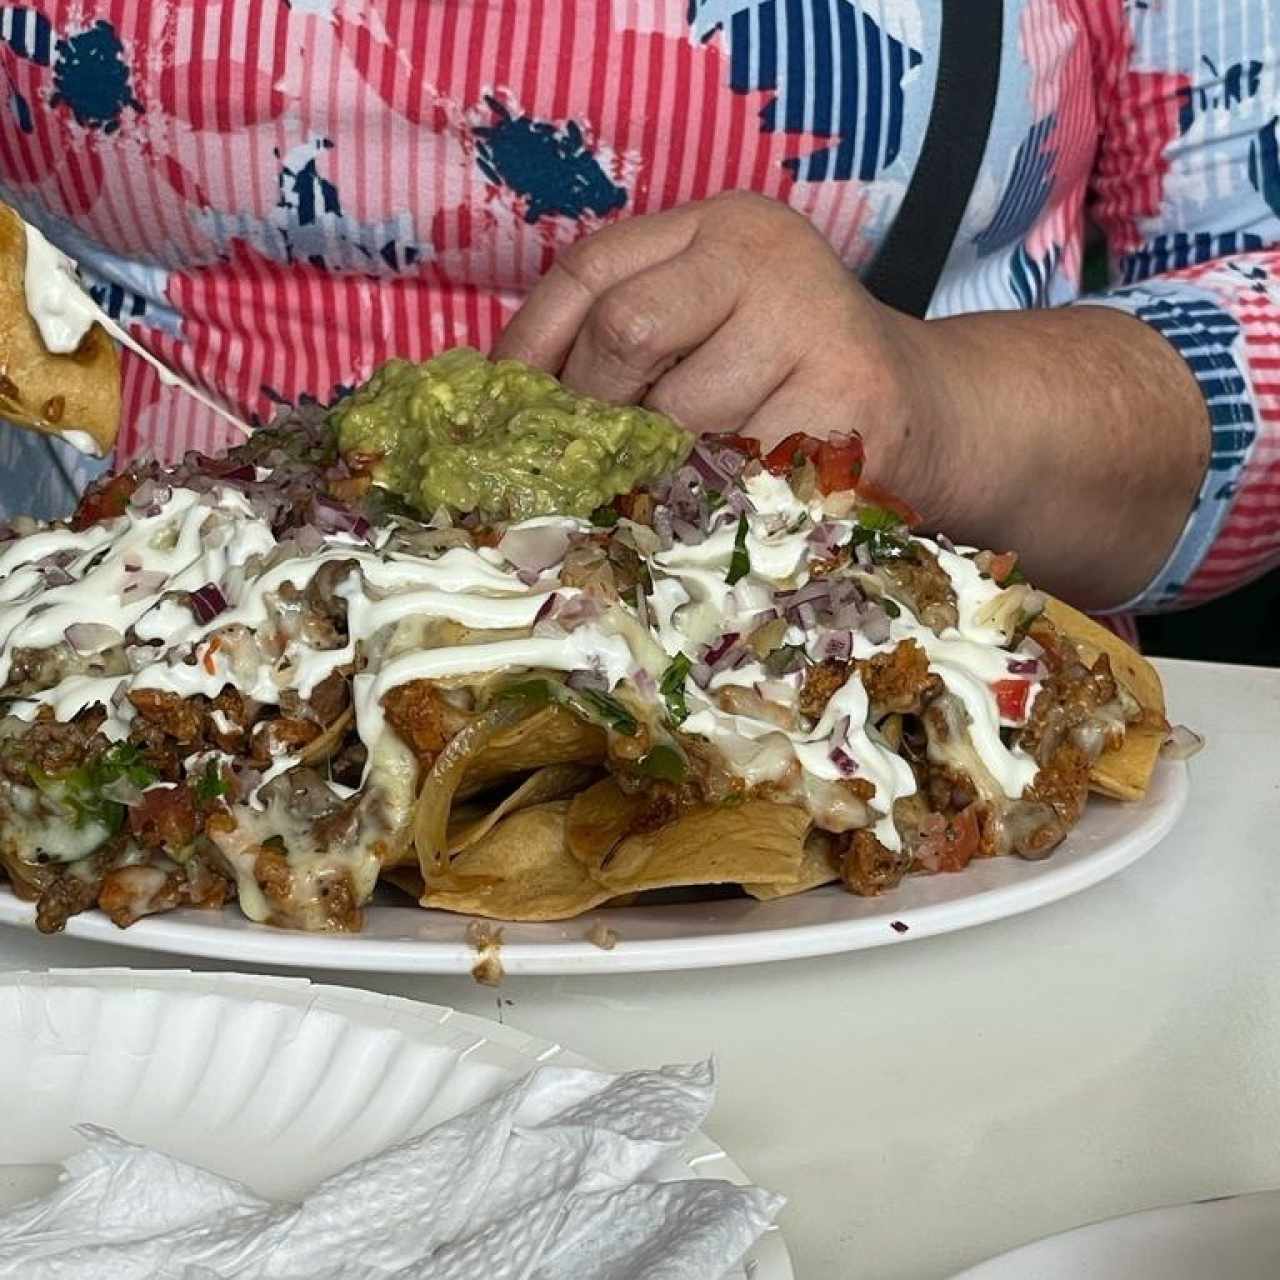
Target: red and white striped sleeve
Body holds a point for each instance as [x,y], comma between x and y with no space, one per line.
[1187,189]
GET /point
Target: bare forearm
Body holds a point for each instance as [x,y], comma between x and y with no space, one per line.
[1076,436]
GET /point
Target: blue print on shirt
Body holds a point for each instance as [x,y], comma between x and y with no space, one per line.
[91,77]
[837,72]
[551,169]
[1225,90]
[1024,198]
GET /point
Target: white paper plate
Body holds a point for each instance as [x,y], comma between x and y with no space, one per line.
[271,1081]
[401,938]
[1237,1238]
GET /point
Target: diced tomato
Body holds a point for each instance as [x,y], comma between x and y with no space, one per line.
[962,839]
[743,444]
[879,496]
[107,503]
[1002,565]
[839,463]
[784,455]
[1011,698]
[947,844]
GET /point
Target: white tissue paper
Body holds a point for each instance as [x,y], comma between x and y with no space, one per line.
[546,1181]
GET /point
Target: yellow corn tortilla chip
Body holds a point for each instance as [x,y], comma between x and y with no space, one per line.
[40,390]
[1123,772]
[550,736]
[520,870]
[469,823]
[817,867]
[599,817]
[756,842]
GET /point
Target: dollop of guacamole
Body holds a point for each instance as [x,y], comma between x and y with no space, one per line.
[501,439]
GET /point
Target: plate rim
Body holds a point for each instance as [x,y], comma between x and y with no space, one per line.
[702,1156]
[183,933]
[992,1268]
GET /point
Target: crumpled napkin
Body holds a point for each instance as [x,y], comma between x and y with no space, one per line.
[545,1181]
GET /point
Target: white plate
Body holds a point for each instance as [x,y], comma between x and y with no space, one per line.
[405,939]
[271,1081]
[1237,1238]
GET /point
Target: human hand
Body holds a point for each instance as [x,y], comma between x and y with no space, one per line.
[734,314]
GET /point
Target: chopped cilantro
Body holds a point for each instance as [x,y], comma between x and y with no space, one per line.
[740,561]
[210,785]
[590,704]
[604,517]
[715,499]
[672,687]
[879,519]
[608,709]
[80,790]
[890,607]
[1014,576]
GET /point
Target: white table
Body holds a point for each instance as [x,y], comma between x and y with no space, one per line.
[927,1105]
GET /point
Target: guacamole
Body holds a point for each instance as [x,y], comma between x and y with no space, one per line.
[501,439]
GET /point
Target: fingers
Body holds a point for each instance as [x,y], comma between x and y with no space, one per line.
[542,332]
[641,327]
[727,378]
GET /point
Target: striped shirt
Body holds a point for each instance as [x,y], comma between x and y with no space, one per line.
[280,194]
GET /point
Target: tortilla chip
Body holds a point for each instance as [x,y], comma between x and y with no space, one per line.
[817,867]
[756,842]
[520,870]
[1123,772]
[552,735]
[599,817]
[469,823]
[43,391]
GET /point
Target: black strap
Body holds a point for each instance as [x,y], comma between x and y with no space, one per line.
[905,271]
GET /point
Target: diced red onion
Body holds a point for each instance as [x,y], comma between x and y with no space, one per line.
[875,624]
[738,502]
[730,461]
[707,465]
[56,577]
[207,602]
[824,538]
[817,590]
[838,646]
[91,637]
[686,531]
[642,606]
[646,685]
[536,549]
[332,516]
[1024,666]
[547,608]
[807,615]
[718,650]
[700,673]
[579,609]
[945,543]
[1182,743]
[142,582]
[848,617]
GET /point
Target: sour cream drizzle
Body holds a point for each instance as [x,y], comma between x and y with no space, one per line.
[124,570]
